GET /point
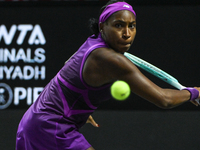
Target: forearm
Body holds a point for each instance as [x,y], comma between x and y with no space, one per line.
[173,98]
[164,98]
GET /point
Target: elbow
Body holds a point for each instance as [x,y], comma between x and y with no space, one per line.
[165,103]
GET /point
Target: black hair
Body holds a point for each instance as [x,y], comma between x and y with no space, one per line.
[94,23]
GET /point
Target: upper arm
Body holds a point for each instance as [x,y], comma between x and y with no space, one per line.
[105,65]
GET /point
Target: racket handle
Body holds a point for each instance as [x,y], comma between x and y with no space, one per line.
[198,101]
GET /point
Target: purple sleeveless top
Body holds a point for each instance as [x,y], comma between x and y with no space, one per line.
[54,119]
[78,97]
[68,94]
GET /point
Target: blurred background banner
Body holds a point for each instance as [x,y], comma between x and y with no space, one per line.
[37,38]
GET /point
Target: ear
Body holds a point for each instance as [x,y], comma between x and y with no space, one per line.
[101,25]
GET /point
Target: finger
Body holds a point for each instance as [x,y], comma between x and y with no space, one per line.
[91,120]
[195,103]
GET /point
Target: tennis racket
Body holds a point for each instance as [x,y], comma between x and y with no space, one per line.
[155,71]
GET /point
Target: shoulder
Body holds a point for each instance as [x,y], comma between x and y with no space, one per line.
[104,55]
[110,59]
[105,65]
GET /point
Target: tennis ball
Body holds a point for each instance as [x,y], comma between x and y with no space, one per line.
[120,90]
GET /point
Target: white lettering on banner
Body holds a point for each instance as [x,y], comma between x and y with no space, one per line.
[1,54]
[8,37]
[36,36]
[23,31]
[6,95]
[27,73]
[39,55]
[29,94]
[40,72]
[7,71]
[37,32]
[15,56]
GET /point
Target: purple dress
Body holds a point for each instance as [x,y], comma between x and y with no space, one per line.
[54,119]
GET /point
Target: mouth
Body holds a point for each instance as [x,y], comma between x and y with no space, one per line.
[123,46]
[126,44]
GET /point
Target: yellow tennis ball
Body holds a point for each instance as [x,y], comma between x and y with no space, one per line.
[120,90]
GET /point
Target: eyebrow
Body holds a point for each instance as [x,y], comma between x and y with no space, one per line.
[123,21]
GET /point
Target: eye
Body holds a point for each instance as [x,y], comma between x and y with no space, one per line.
[118,25]
[132,26]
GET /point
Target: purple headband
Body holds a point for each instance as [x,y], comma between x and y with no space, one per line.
[112,8]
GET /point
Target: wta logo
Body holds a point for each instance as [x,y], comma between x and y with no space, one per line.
[36,35]
[6,95]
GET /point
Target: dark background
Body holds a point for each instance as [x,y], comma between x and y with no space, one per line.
[167,36]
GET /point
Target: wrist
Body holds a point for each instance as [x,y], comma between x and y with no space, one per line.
[194,93]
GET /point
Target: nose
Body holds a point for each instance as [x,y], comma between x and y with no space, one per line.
[126,33]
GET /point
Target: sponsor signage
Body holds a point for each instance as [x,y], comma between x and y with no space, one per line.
[22,59]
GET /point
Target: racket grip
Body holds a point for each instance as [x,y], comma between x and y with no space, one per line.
[198,101]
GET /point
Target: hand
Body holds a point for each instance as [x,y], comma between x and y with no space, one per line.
[91,120]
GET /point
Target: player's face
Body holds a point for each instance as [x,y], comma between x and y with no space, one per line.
[119,30]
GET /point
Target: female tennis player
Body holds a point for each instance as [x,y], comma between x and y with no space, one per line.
[69,99]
